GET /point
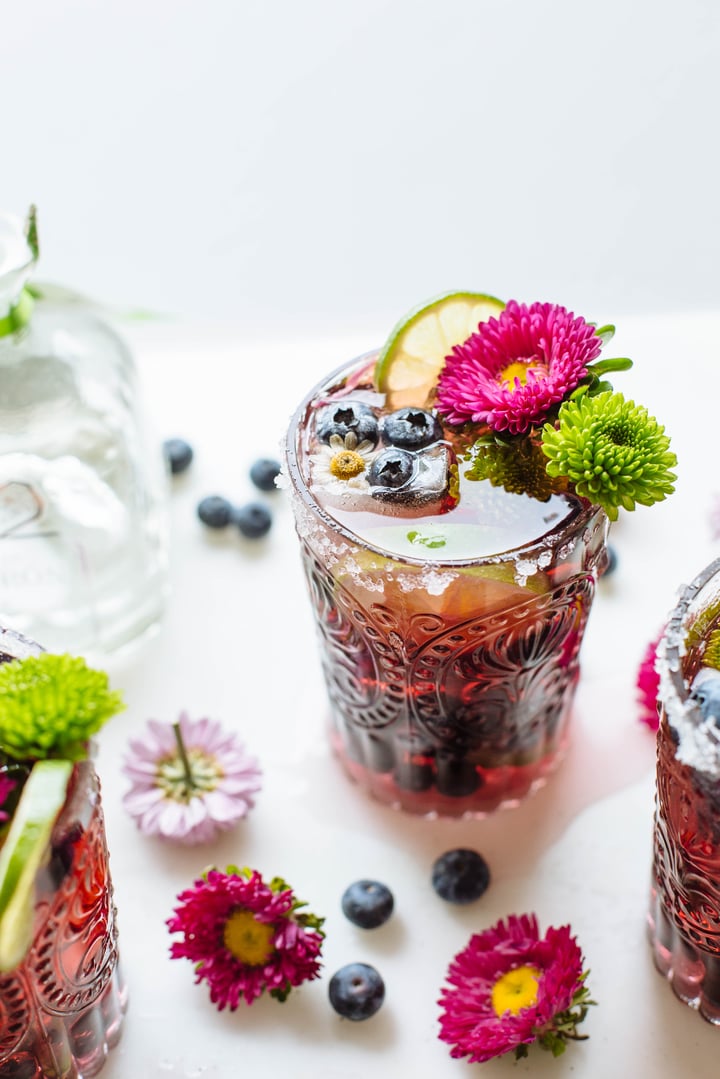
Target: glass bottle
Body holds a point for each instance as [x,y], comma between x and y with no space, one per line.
[83,548]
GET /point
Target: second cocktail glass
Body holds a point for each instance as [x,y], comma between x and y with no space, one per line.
[684,915]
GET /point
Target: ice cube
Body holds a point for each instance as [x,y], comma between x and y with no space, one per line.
[427,483]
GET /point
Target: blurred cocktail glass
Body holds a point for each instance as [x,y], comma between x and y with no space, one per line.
[62,1005]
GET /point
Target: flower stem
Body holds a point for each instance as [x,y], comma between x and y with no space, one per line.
[182,752]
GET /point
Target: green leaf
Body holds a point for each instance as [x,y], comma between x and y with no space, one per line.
[605,333]
[31,233]
[617,363]
[426,541]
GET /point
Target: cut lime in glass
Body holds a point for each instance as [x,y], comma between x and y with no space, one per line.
[23,852]
[409,364]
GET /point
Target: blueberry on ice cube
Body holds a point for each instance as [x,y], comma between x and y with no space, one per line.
[410,428]
[460,876]
[178,454]
[264,472]
[356,991]
[215,511]
[345,417]
[411,479]
[392,468]
[705,690]
[367,903]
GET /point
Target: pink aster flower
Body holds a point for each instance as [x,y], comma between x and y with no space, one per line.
[510,988]
[516,367]
[648,684]
[6,786]
[245,936]
[190,780]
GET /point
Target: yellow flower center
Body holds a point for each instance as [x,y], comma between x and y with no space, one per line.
[515,990]
[172,778]
[517,370]
[249,941]
[346,464]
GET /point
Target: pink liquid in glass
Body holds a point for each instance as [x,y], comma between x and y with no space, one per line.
[450,669]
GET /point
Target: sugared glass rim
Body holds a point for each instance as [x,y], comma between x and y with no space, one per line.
[673,643]
[564,533]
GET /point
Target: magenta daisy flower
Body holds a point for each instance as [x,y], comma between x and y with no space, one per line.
[510,988]
[245,936]
[190,780]
[516,367]
[648,685]
[6,786]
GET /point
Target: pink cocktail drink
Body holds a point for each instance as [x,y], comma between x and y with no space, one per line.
[61,1008]
[450,611]
[684,914]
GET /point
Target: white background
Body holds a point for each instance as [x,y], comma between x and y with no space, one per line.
[298,175]
[303,168]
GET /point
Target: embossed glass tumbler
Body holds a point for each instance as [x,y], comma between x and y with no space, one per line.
[684,915]
[450,612]
[61,1009]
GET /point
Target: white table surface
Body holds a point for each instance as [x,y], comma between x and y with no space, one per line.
[238,645]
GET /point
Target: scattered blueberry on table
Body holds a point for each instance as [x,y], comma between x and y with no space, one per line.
[611,563]
[264,472]
[460,876]
[178,454]
[215,511]
[253,520]
[356,991]
[367,903]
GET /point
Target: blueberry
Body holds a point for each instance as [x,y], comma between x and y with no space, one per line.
[411,428]
[264,472]
[178,454]
[391,468]
[343,417]
[460,876]
[367,903]
[356,991]
[706,691]
[611,561]
[215,511]
[253,520]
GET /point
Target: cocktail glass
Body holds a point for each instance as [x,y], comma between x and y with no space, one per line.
[684,914]
[450,680]
[61,1009]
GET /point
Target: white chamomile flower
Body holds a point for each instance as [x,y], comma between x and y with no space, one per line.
[342,463]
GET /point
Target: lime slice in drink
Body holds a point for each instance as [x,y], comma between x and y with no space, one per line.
[407,369]
[23,852]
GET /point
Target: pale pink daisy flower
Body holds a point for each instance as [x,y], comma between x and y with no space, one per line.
[190,780]
[515,368]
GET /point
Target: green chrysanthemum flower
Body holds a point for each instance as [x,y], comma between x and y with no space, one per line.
[518,466]
[51,705]
[612,451]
